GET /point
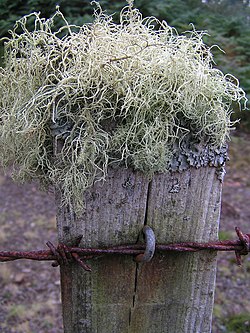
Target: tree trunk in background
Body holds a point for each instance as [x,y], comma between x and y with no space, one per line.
[174,292]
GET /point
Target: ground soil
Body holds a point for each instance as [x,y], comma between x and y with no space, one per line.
[30,291]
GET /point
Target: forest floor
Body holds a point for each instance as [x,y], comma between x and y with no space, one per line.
[30,291]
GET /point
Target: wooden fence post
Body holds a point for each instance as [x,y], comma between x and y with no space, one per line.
[172,293]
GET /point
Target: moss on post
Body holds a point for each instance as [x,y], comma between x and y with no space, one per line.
[77,100]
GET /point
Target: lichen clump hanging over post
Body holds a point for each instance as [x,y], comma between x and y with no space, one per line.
[76,100]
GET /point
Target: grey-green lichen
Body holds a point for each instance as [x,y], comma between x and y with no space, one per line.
[196,153]
[77,100]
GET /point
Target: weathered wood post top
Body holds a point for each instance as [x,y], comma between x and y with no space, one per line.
[129,122]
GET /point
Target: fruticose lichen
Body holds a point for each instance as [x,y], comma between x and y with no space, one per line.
[77,100]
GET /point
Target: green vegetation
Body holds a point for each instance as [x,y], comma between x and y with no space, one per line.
[75,99]
[224,235]
[238,323]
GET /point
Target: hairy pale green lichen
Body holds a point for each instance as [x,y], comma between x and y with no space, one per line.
[76,100]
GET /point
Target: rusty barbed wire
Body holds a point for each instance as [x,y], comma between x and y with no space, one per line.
[63,254]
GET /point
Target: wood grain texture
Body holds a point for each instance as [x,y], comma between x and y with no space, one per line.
[172,293]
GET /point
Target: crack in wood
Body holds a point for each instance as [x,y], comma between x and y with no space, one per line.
[137,265]
[134,295]
[147,203]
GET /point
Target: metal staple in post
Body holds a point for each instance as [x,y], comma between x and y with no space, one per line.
[150,246]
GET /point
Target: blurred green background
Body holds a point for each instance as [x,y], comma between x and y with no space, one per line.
[227,23]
